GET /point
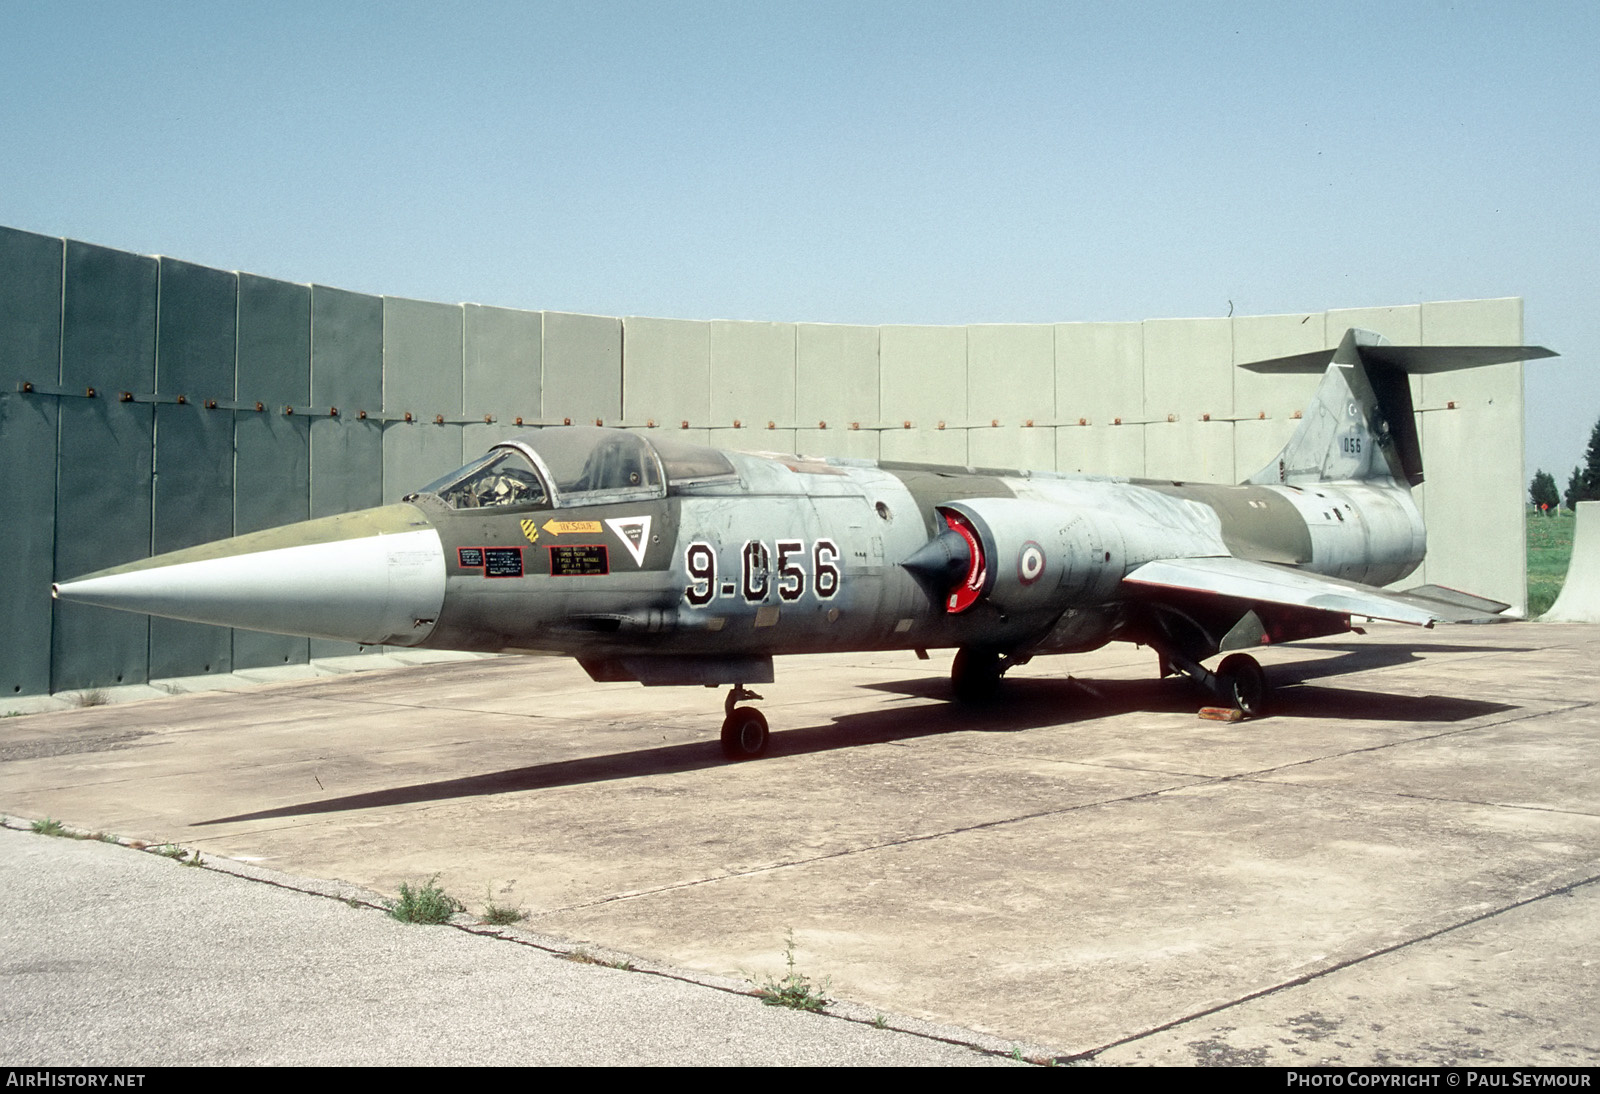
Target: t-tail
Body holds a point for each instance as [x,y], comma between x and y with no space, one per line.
[1362,425]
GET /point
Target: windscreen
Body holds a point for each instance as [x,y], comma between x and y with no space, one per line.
[503,477]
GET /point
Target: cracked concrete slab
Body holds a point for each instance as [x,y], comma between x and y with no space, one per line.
[1085,865]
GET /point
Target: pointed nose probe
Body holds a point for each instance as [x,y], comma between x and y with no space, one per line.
[374,576]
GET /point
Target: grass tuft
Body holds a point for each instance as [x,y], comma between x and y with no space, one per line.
[795,990]
[49,827]
[500,915]
[91,697]
[173,851]
[424,904]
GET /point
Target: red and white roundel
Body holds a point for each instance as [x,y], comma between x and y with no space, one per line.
[1030,563]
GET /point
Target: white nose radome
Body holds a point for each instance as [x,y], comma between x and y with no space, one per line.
[321,578]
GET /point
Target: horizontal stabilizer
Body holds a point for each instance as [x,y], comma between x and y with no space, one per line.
[1267,583]
[1412,360]
[1467,607]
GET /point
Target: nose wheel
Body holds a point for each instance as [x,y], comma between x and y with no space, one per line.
[744,730]
[975,674]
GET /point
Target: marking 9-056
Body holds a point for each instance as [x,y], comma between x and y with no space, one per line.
[796,569]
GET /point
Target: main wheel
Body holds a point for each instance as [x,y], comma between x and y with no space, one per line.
[1243,681]
[975,675]
[744,734]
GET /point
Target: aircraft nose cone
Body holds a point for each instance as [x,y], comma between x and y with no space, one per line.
[375,576]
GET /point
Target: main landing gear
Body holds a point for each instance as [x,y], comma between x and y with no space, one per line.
[1243,682]
[744,730]
[1239,681]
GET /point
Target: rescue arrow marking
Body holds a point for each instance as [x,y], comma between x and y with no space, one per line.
[571,527]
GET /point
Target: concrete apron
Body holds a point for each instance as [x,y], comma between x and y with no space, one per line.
[1395,866]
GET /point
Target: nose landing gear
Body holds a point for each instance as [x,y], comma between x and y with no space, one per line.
[975,674]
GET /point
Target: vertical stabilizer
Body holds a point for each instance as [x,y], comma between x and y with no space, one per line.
[1361,424]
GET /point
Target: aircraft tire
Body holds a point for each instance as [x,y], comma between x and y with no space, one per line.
[744,734]
[1244,683]
[975,675]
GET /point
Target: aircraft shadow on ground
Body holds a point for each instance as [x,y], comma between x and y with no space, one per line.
[1029,703]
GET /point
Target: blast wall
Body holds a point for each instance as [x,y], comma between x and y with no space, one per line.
[148,404]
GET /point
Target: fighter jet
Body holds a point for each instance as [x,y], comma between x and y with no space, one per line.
[653,560]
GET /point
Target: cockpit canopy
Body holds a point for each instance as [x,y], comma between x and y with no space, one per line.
[565,466]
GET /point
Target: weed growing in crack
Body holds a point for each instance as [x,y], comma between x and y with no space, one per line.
[795,990]
[500,915]
[424,904]
[48,827]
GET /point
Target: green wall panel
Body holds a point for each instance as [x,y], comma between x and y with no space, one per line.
[104,472]
[422,361]
[272,477]
[582,363]
[346,372]
[836,384]
[923,380]
[193,486]
[502,374]
[1099,378]
[1011,379]
[752,381]
[666,373]
[1188,373]
[1474,495]
[30,349]
[1264,404]
[1101,450]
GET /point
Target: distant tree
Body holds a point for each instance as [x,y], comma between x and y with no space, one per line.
[1543,491]
[1584,485]
[1591,467]
[1574,491]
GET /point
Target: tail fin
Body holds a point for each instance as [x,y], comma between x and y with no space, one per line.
[1361,424]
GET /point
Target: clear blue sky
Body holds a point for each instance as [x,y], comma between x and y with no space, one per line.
[869,162]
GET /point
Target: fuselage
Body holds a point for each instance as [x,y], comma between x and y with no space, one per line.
[625,553]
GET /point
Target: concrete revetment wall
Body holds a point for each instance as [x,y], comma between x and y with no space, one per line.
[226,402]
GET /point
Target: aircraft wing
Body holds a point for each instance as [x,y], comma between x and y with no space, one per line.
[1268,583]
